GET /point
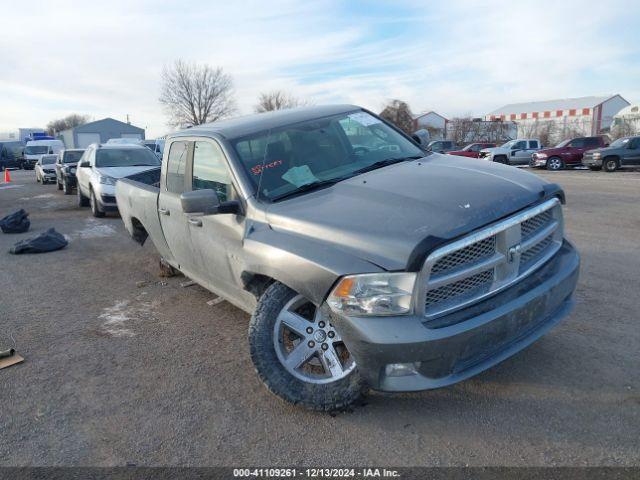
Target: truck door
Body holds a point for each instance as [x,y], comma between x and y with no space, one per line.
[632,152]
[173,220]
[520,153]
[215,237]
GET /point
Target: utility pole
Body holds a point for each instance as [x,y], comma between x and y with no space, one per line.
[128,119]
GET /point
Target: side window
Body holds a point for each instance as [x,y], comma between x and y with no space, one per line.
[634,143]
[533,144]
[577,143]
[176,166]
[592,142]
[521,145]
[210,170]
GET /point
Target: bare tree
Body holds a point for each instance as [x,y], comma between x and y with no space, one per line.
[399,113]
[277,100]
[73,120]
[195,94]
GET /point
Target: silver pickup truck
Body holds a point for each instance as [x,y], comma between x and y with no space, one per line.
[364,261]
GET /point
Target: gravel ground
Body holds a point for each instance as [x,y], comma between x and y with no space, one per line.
[124,367]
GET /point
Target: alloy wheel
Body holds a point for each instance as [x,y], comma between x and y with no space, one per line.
[307,344]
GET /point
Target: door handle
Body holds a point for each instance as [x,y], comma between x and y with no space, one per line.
[196,222]
[164,211]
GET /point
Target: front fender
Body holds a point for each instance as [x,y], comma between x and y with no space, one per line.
[307,265]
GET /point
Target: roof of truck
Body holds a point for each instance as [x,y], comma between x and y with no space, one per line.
[246,125]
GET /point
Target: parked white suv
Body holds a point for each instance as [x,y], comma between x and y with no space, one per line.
[102,165]
[514,152]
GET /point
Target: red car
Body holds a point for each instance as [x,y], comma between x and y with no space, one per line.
[567,153]
[471,150]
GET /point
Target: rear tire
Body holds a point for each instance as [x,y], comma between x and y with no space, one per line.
[610,164]
[326,378]
[59,184]
[66,188]
[555,163]
[82,200]
[95,207]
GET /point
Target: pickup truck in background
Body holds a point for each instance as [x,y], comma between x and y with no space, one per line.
[566,153]
[472,150]
[364,261]
[623,152]
[514,152]
[66,166]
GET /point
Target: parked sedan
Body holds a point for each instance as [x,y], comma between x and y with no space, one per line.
[66,164]
[621,153]
[472,150]
[46,169]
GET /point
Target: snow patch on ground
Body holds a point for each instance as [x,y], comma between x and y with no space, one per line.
[118,319]
[44,195]
[94,229]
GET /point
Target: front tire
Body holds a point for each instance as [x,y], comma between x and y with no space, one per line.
[501,159]
[95,207]
[299,355]
[555,163]
[59,184]
[66,188]
[610,164]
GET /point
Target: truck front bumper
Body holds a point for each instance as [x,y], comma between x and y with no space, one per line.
[538,162]
[592,162]
[455,347]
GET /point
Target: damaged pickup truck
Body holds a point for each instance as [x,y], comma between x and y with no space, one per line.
[364,261]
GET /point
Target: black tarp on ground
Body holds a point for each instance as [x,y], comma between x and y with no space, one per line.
[17,222]
[45,242]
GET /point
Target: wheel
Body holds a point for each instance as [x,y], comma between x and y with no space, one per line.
[59,184]
[82,200]
[299,355]
[595,169]
[501,159]
[95,208]
[610,164]
[66,188]
[37,178]
[555,163]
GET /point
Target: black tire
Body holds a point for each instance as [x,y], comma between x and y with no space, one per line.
[501,159]
[82,200]
[59,184]
[336,395]
[66,188]
[95,207]
[555,163]
[610,164]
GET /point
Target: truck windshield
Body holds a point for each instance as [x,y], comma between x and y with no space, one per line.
[621,142]
[36,149]
[564,143]
[73,156]
[48,160]
[125,157]
[323,151]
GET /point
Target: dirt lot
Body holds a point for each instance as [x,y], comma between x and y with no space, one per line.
[123,367]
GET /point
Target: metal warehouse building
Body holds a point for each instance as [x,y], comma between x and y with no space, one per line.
[99,132]
[566,117]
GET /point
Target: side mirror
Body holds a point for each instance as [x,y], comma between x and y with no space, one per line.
[84,164]
[200,201]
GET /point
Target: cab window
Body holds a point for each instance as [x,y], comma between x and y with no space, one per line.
[210,170]
[176,166]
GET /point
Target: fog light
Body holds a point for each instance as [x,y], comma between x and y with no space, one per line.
[401,369]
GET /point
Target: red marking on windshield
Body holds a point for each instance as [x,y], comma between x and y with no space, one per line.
[257,170]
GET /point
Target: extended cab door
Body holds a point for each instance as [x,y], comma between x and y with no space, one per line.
[632,152]
[173,220]
[217,238]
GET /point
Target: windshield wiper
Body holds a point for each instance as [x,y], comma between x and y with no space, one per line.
[384,163]
[307,187]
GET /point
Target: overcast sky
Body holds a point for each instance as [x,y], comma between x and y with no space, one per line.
[455,57]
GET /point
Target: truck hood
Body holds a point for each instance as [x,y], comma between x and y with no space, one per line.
[552,151]
[494,150]
[606,150]
[382,216]
[121,172]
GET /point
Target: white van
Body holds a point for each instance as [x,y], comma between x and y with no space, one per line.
[36,148]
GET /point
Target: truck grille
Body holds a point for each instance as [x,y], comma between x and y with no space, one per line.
[491,259]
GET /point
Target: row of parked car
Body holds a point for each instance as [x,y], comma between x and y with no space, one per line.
[93,171]
[594,152]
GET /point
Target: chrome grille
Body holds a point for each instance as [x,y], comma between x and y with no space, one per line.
[474,252]
[490,259]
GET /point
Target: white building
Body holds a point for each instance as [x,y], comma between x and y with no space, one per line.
[562,118]
[433,122]
[627,121]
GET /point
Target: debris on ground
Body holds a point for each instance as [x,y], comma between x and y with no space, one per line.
[17,222]
[167,270]
[9,357]
[187,284]
[142,284]
[215,301]
[45,242]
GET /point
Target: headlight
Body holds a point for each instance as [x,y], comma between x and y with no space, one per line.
[107,180]
[540,155]
[373,294]
[597,154]
[72,170]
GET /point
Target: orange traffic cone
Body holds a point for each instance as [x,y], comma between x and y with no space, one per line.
[7,177]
